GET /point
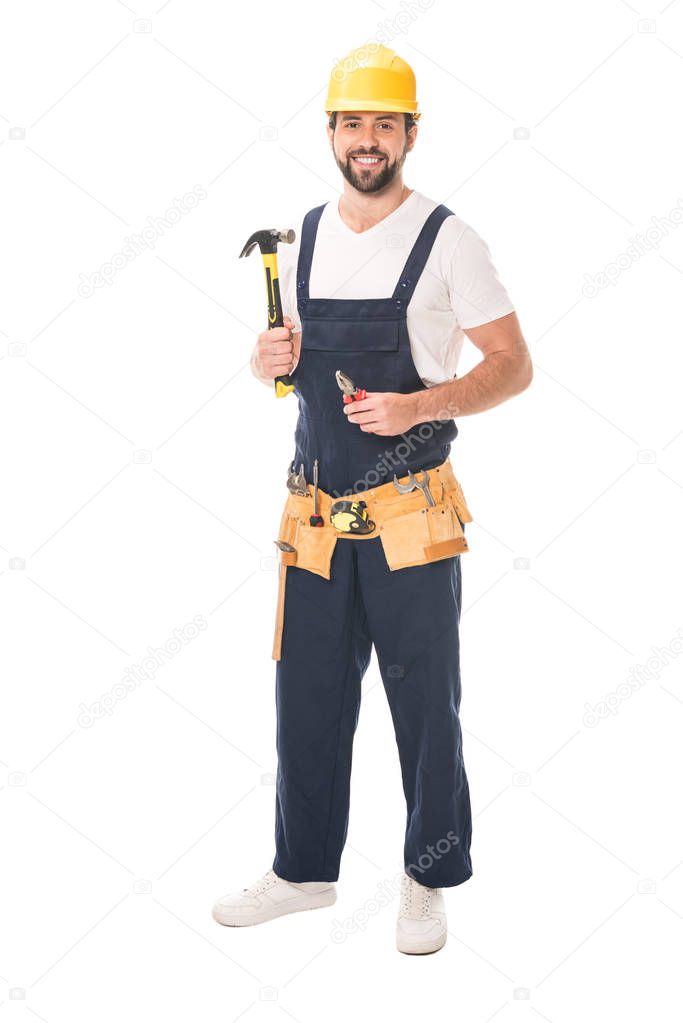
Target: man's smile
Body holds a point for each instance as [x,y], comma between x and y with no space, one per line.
[368,161]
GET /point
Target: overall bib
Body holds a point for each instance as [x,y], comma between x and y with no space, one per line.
[411,616]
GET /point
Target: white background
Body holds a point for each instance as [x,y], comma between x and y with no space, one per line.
[118,837]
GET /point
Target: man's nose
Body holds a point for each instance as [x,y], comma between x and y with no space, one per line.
[368,139]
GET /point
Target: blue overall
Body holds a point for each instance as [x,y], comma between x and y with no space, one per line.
[410,615]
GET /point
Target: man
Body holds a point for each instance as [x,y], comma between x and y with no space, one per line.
[381,285]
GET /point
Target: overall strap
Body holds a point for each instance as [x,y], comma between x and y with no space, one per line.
[309,231]
[419,255]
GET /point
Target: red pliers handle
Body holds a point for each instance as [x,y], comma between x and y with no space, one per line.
[349,390]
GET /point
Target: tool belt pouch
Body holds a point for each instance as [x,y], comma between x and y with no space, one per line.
[314,546]
[411,534]
[420,535]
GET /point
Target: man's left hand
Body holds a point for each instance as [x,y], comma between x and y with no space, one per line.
[383,412]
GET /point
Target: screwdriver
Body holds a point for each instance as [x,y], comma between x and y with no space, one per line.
[315,519]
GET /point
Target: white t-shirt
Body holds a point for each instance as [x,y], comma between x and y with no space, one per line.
[459,286]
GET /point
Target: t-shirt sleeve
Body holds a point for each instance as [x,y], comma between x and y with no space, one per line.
[476,292]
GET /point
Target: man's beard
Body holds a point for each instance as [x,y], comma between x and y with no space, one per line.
[371,181]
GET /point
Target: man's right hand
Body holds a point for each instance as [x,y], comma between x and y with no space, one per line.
[276,352]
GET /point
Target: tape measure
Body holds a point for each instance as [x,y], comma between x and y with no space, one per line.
[351,517]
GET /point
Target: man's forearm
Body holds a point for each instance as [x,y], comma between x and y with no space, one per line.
[499,376]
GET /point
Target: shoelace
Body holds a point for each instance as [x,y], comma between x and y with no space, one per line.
[416,899]
[263,884]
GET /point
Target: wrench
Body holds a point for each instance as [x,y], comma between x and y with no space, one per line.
[416,484]
[296,482]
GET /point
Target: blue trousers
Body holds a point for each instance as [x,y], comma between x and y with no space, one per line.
[412,617]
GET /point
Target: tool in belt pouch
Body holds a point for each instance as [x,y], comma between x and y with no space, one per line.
[412,531]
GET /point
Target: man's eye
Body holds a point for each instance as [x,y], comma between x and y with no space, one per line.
[381,124]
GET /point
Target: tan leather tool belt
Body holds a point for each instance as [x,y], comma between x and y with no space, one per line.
[411,532]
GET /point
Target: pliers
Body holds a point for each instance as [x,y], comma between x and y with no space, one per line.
[348,388]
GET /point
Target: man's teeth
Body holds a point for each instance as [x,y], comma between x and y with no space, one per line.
[368,159]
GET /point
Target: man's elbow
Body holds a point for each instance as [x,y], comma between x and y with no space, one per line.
[517,372]
[524,370]
[525,374]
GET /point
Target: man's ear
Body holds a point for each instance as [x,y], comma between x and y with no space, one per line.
[411,137]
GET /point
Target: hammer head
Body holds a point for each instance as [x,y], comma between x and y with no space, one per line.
[267,240]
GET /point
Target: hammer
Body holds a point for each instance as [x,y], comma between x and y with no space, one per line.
[267,242]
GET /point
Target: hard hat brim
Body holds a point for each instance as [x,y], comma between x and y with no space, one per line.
[372,106]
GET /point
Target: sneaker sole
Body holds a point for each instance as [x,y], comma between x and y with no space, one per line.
[317,901]
[422,948]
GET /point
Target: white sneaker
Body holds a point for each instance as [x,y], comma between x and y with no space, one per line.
[421,925]
[270,897]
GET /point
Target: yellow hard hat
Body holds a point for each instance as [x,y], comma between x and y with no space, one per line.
[372,77]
